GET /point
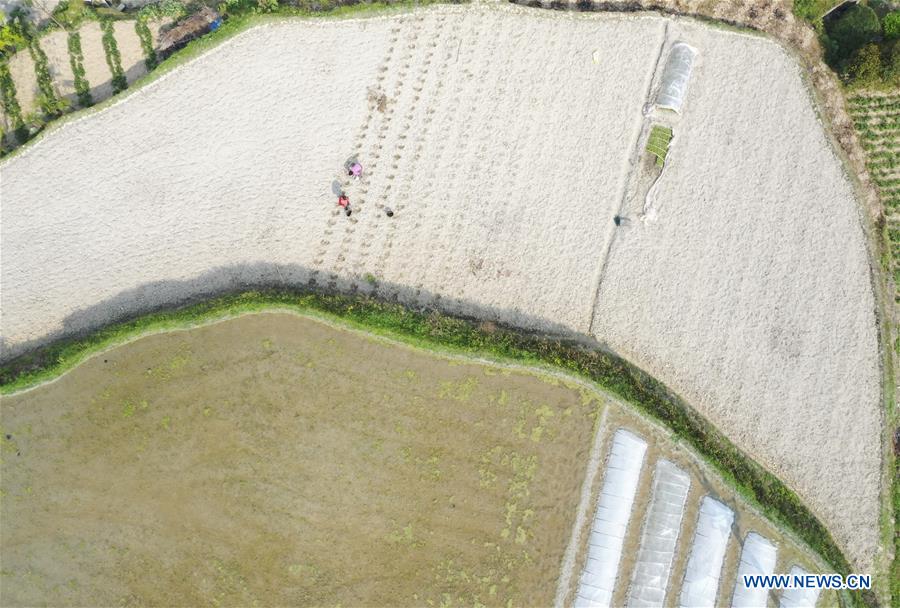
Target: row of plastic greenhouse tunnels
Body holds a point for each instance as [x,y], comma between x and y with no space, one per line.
[660,542]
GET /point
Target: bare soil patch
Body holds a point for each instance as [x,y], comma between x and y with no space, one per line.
[21,68]
[55,45]
[96,70]
[276,460]
[130,49]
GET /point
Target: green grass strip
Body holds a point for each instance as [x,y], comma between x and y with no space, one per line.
[47,98]
[76,60]
[434,330]
[113,57]
[8,97]
[146,38]
[895,565]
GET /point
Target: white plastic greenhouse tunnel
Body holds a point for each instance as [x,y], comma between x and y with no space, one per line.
[701,578]
[799,598]
[623,471]
[653,565]
[675,77]
[758,557]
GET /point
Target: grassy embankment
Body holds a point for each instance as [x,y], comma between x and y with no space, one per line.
[436,331]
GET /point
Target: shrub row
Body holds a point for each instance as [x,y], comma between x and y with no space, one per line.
[49,101]
[113,57]
[76,60]
[143,32]
[432,328]
[8,92]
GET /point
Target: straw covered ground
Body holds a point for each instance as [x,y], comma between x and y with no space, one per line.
[504,140]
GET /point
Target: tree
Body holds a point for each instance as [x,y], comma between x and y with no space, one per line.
[892,65]
[891,25]
[855,28]
[10,40]
[865,67]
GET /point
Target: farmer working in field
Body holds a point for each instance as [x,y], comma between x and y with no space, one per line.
[344,203]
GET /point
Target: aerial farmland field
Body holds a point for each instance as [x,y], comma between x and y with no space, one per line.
[311,465]
[655,191]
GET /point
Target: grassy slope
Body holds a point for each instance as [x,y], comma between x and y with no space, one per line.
[433,330]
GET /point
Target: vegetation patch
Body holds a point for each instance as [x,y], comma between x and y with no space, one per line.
[51,104]
[113,57]
[814,10]
[143,32]
[861,40]
[10,102]
[876,117]
[435,330]
[11,39]
[658,143]
[336,448]
[76,60]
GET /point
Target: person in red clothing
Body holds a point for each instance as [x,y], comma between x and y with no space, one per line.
[344,203]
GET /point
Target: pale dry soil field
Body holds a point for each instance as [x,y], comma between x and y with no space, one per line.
[275,460]
[504,140]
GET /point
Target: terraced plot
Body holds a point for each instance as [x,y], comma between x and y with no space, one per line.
[86,53]
[877,120]
[282,461]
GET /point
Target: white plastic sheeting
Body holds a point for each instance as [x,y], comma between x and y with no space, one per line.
[701,579]
[799,598]
[623,470]
[757,557]
[663,524]
[675,77]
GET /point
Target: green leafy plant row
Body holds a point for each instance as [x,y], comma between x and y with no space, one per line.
[146,38]
[10,103]
[166,8]
[435,330]
[49,102]
[76,60]
[113,57]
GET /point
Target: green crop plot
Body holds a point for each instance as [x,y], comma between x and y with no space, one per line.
[876,117]
[658,143]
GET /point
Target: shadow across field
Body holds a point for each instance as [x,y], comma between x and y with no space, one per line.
[157,296]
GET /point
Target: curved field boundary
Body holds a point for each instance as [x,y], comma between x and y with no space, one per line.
[433,330]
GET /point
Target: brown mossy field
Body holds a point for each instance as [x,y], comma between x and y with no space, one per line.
[274,460]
